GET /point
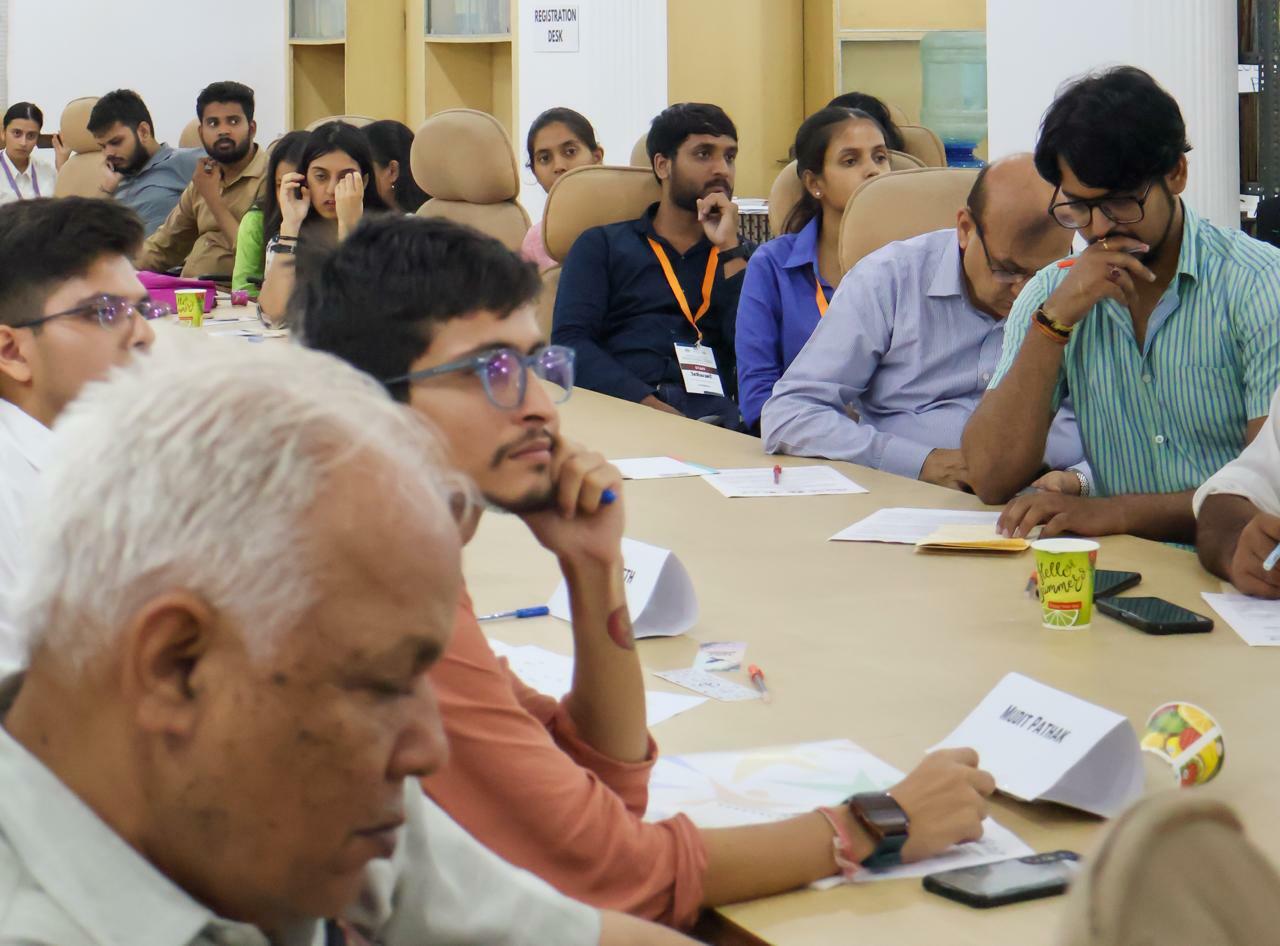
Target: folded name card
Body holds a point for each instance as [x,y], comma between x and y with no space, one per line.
[1045,745]
[955,537]
[660,594]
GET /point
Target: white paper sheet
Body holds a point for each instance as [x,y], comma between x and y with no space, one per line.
[723,789]
[658,468]
[1256,620]
[793,481]
[908,526]
[552,674]
[708,684]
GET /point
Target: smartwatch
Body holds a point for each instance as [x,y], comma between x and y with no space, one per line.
[741,251]
[885,823]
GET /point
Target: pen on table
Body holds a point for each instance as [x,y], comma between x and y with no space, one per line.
[1272,559]
[539,611]
[777,475]
[608,498]
[757,677]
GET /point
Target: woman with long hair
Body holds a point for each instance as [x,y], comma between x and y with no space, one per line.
[262,221]
[560,140]
[391,143]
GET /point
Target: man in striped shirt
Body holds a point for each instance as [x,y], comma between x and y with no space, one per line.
[1165,331]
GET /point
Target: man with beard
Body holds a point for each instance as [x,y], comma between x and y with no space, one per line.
[444,317]
[142,173]
[200,232]
[1165,331]
[649,305]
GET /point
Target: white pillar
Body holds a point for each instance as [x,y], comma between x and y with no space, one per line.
[1189,46]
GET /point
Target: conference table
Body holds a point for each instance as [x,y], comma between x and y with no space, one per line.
[888,647]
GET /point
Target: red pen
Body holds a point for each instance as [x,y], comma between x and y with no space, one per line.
[777,475]
[757,677]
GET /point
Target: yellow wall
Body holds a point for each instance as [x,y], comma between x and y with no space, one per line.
[747,57]
[913,14]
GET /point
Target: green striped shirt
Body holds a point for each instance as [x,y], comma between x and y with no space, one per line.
[1166,417]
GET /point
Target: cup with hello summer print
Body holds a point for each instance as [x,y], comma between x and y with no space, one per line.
[1064,572]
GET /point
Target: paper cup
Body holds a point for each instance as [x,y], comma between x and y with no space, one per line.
[1188,739]
[1064,571]
[190,306]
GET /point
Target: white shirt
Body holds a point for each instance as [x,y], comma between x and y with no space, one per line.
[24,447]
[38,172]
[67,879]
[1255,474]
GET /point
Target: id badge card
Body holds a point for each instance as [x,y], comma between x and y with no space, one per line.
[698,368]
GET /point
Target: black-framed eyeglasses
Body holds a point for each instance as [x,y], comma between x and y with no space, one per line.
[1078,214]
[111,312]
[999,275]
[504,372]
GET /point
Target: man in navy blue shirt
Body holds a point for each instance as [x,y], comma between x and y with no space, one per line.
[649,304]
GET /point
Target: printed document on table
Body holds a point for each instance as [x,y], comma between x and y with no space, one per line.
[1256,620]
[909,526]
[658,468]
[792,481]
[724,789]
[552,674]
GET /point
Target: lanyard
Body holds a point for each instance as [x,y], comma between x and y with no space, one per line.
[821,296]
[707,280]
[13,184]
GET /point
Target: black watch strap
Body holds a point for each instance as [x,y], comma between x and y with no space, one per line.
[741,251]
[885,822]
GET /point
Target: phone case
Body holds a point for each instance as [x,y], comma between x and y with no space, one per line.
[1199,624]
[934,884]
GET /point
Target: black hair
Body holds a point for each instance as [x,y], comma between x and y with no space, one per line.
[390,140]
[47,241]
[339,136]
[576,122]
[235,92]
[812,140]
[674,124]
[375,299]
[124,106]
[1115,129]
[23,110]
[862,102]
[288,148]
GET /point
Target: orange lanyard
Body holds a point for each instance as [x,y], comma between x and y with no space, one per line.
[707,280]
[821,296]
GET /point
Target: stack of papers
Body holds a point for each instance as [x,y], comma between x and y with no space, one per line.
[1256,620]
[910,526]
[968,538]
[552,674]
[792,481]
[658,468]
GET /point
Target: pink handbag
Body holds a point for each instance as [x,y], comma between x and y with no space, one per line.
[162,288]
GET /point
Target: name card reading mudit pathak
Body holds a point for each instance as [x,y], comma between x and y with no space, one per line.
[660,593]
[1041,744]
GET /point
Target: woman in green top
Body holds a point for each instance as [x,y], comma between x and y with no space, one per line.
[262,222]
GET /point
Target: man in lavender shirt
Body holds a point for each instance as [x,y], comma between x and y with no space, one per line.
[912,336]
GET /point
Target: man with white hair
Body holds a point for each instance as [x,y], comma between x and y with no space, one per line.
[250,567]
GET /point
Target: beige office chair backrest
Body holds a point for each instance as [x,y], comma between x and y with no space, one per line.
[81,176]
[587,197]
[897,115]
[900,206]
[359,121]
[190,137]
[1175,870]
[787,189]
[640,153]
[923,144]
[464,159]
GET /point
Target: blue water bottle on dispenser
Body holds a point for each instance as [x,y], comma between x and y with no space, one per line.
[955,92]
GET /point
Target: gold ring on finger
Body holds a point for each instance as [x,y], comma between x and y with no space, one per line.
[1105,247]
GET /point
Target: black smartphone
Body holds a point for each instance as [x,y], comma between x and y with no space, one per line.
[1112,583]
[44,141]
[1011,881]
[1154,615]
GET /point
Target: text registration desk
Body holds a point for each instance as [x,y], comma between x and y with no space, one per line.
[889,648]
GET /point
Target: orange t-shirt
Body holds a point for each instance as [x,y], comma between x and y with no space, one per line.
[523,783]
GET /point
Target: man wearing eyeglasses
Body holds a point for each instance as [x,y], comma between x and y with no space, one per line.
[1165,331]
[71,308]
[911,338]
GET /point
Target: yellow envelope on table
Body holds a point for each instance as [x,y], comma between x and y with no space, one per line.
[970,538]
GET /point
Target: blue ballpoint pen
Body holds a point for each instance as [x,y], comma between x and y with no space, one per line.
[537,612]
[1272,559]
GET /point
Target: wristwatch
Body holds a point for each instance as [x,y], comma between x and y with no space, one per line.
[885,822]
[741,251]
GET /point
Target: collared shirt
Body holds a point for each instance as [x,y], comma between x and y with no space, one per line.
[615,309]
[36,181]
[1164,417]
[777,313]
[191,238]
[67,879]
[24,450]
[153,192]
[1255,474]
[904,349]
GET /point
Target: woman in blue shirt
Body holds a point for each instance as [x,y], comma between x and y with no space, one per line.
[791,278]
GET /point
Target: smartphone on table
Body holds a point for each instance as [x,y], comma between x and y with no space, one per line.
[1154,615]
[1011,881]
[1112,583]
